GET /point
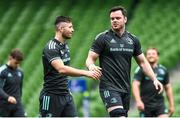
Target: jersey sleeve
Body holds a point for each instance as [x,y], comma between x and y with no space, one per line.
[3,94]
[51,54]
[137,49]
[138,74]
[98,44]
[21,84]
[166,78]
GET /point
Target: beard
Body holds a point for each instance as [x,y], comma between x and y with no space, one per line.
[117,27]
[151,62]
[65,36]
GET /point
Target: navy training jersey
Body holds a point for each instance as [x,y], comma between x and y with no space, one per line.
[55,82]
[11,81]
[115,54]
[148,92]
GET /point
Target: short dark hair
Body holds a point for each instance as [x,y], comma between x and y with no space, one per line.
[116,8]
[17,54]
[60,19]
[153,48]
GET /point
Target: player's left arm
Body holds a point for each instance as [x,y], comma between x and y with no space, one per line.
[144,64]
[21,84]
[169,94]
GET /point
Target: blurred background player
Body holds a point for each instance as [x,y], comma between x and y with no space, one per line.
[55,98]
[11,81]
[148,101]
[115,48]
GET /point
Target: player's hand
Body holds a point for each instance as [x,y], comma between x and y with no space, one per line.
[93,67]
[12,100]
[171,111]
[94,74]
[140,105]
[158,86]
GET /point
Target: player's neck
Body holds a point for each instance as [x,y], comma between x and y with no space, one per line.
[153,65]
[59,38]
[120,32]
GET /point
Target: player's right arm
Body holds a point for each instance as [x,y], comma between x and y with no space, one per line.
[145,66]
[3,94]
[67,70]
[91,59]
[136,93]
[136,89]
[96,49]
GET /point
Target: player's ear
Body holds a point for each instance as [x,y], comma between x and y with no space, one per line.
[125,18]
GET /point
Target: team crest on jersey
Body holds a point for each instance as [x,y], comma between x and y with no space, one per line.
[114,100]
[19,74]
[130,41]
[161,71]
[121,45]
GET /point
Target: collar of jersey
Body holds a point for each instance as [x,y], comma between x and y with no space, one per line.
[114,33]
[58,42]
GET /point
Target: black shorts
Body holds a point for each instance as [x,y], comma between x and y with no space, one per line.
[11,110]
[56,105]
[154,112]
[114,98]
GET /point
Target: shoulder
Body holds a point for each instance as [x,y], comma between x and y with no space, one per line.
[20,72]
[19,69]
[162,68]
[51,45]
[3,68]
[102,35]
[132,36]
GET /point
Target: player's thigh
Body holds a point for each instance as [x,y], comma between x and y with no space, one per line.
[4,111]
[51,105]
[146,113]
[19,112]
[114,98]
[110,98]
[70,108]
[162,112]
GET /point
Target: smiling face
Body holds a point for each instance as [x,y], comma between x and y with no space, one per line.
[118,20]
[152,56]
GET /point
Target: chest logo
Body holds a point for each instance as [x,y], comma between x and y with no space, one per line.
[9,75]
[113,41]
[161,71]
[129,41]
[19,74]
[121,45]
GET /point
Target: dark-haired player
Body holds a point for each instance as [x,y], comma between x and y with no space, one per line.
[11,80]
[115,48]
[55,98]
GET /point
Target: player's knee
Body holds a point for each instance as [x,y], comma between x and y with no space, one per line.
[118,112]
